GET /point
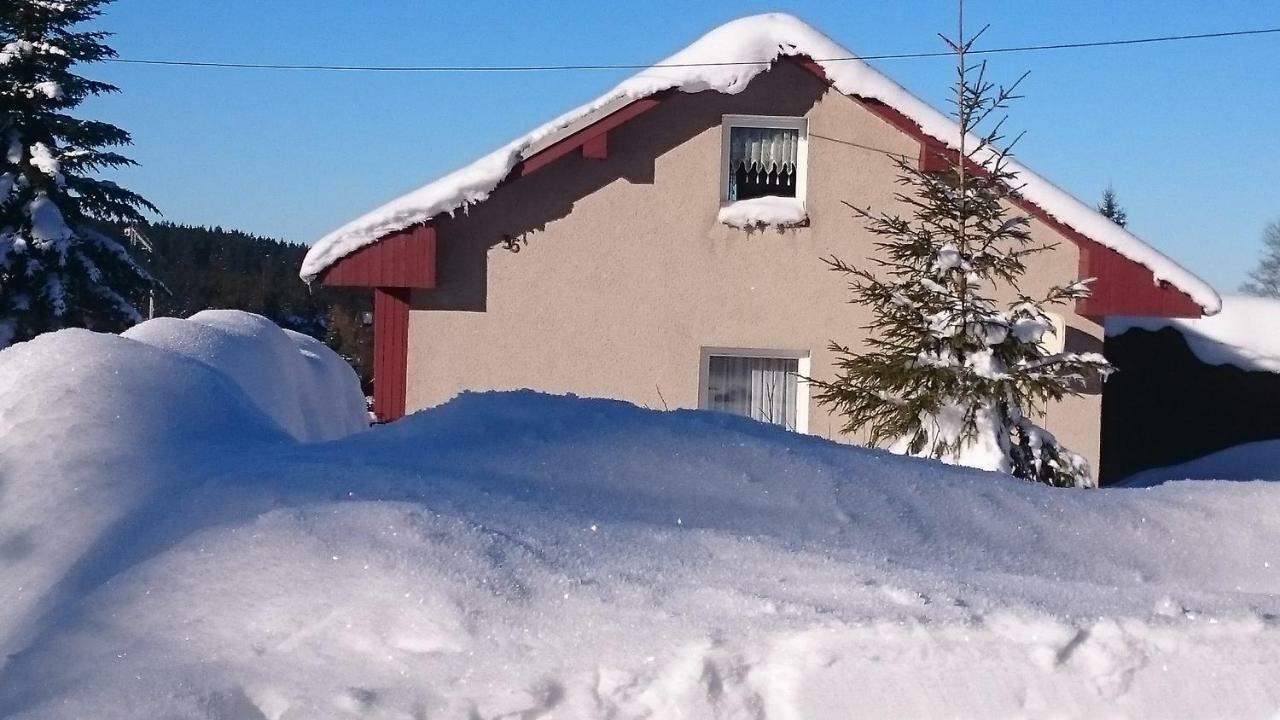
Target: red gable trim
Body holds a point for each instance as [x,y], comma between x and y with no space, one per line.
[593,139]
[597,148]
[407,258]
[404,259]
[1122,286]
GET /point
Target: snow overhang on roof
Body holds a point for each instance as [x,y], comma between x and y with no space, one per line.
[751,45]
[1246,333]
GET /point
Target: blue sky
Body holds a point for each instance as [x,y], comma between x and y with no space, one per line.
[1184,131]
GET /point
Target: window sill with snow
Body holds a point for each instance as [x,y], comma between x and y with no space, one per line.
[762,212]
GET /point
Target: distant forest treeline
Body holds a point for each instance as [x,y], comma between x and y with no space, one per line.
[204,268]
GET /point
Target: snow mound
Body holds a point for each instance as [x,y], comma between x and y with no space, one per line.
[94,426]
[762,212]
[517,555]
[91,425]
[725,60]
[1251,461]
[295,379]
[1245,333]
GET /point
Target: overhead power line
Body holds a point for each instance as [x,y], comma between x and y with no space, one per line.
[636,66]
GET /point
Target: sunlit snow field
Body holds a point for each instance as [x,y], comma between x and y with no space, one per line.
[193,524]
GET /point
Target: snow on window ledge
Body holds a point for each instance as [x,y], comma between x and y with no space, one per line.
[762,212]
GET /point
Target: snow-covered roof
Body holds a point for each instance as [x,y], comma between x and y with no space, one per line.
[1246,333]
[744,48]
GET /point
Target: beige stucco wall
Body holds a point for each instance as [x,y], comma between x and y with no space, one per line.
[623,274]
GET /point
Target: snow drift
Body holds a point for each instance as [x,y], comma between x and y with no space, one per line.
[175,553]
[94,427]
[295,379]
[726,60]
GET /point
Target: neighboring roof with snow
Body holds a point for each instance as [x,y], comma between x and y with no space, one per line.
[749,45]
[1245,333]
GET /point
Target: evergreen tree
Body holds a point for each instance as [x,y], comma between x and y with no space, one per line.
[57,268]
[1264,280]
[951,373]
[1110,208]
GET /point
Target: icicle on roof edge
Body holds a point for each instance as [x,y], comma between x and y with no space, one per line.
[758,41]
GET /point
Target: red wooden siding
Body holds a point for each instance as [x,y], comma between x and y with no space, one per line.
[404,259]
[390,352]
[936,157]
[597,148]
[1123,287]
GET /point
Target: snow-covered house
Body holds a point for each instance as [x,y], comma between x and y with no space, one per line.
[662,243]
[1193,386]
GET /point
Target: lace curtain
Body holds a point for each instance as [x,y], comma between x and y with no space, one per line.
[764,149]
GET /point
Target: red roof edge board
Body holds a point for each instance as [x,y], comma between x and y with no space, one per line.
[402,259]
[407,258]
[1121,286]
[592,139]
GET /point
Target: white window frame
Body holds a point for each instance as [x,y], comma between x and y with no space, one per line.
[803,367]
[779,122]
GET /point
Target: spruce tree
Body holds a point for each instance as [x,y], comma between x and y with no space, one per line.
[58,267]
[949,372]
[1110,207]
[1264,280]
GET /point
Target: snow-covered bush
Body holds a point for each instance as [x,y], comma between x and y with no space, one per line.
[311,392]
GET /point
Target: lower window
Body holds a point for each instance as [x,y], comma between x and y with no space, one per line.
[764,385]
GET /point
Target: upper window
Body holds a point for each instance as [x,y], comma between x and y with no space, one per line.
[763,155]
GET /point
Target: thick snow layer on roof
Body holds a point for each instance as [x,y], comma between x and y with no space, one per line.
[167,551]
[755,41]
[1245,333]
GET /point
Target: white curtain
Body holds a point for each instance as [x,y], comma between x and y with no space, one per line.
[764,149]
[764,389]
